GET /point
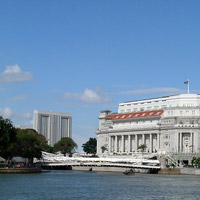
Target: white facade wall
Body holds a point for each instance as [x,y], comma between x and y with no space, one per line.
[182,100]
[53,125]
[176,130]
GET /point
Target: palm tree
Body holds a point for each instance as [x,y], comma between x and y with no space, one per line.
[142,147]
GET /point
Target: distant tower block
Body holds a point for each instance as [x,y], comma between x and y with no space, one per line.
[53,125]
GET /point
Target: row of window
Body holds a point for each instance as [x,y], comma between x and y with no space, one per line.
[136,122]
[134,104]
[182,112]
[152,107]
[170,112]
[183,104]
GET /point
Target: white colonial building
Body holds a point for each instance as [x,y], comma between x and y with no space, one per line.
[169,124]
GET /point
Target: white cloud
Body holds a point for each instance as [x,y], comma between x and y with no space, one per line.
[22,116]
[13,73]
[89,96]
[152,91]
[6,112]
[29,124]
[26,115]
[71,95]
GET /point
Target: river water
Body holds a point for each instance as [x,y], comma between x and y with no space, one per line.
[80,185]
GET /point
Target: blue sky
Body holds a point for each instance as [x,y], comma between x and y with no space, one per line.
[82,57]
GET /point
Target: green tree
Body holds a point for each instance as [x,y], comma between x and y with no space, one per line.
[65,145]
[197,162]
[42,141]
[7,138]
[103,149]
[29,144]
[142,147]
[90,146]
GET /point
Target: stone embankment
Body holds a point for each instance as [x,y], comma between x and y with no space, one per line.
[19,170]
[190,171]
[180,171]
[108,169]
[172,171]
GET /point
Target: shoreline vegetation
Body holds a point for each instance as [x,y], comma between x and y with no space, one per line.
[18,147]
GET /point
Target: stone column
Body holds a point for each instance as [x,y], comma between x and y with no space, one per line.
[150,143]
[158,141]
[192,142]
[143,136]
[98,149]
[196,148]
[192,138]
[177,148]
[129,143]
[109,144]
[181,142]
[136,142]
[122,144]
[115,144]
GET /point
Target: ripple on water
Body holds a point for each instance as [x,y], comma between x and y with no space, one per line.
[64,185]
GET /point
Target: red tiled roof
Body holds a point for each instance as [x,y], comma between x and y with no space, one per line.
[121,116]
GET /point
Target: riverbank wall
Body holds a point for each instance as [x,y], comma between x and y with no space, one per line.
[172,171]
[108,169]
[19,170]
[180,171]
[190,171]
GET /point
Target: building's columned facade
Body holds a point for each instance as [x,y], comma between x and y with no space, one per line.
[53,125]
[168,124]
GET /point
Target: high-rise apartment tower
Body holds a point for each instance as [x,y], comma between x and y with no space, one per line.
[53,125]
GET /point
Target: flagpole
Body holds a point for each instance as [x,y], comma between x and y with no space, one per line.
[188,86]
